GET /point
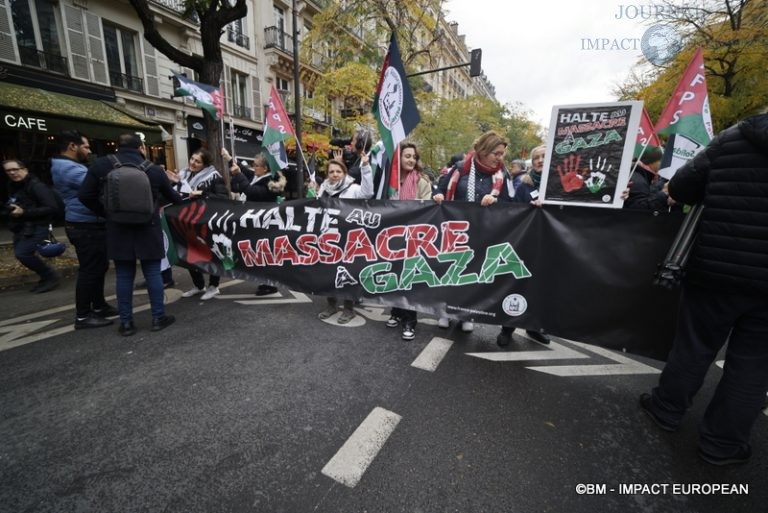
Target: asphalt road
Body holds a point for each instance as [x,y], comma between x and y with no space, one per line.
[252,404]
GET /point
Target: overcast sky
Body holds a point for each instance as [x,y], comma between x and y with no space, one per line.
[534,50]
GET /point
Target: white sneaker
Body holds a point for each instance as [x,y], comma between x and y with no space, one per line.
[210,292]
[444,322]
[192,292]
[467,326]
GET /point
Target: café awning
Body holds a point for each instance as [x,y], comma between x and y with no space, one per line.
[95,118]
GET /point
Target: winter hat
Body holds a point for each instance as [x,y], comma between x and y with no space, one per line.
[650,155]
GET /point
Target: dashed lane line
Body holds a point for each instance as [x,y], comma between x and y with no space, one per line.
[431,356]
[351,461]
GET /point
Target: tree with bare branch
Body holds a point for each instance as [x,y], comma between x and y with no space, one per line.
[213,16]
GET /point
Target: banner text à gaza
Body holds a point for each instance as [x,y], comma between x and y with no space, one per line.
[420,244]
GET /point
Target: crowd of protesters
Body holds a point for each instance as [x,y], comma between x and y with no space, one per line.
[720,302]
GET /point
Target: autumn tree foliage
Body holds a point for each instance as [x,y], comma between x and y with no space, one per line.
[734,38]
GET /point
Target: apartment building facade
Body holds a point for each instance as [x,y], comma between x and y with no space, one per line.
[84,64]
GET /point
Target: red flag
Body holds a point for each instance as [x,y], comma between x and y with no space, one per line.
[279,125]
[645,135]
[687,112]
[394,175]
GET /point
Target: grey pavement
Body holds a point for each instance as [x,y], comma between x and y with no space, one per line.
[244,403]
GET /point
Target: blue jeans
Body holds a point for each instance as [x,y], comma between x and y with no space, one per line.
[25,251]
[126,272]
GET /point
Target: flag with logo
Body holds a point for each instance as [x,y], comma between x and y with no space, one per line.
[645,135]
[207,97]
[278,129]
[394,109]
[687,117]
[171,256]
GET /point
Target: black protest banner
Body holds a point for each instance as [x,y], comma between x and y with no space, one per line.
[589,153]
[574,272]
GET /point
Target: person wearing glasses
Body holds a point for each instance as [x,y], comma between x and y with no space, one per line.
[31,207]
[259,185]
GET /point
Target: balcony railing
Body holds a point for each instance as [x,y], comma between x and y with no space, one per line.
[43,60]
[239,39]
[124,81]
[241,111]
[276,38]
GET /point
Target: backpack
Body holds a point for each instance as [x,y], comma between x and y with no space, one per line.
[126,193]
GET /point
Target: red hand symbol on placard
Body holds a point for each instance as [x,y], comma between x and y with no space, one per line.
[571,178]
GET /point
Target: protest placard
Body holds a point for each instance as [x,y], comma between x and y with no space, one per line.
[589,153]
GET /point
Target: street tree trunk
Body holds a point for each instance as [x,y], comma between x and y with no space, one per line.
[214,16]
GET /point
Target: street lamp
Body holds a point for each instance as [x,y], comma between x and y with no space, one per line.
[297,101]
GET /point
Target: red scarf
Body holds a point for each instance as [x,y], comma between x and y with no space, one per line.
[498,176]
[409,187]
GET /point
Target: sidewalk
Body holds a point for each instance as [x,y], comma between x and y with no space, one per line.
[13,274]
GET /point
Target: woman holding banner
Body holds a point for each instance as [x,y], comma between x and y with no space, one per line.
[200,175]
[414,185]
[338,184]
[480,178]
[527,192]
[259,185]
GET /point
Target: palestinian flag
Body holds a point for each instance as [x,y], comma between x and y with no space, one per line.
[645,135]
[206,96]
[394,107]
[171,256]
[278,129]
[687,112]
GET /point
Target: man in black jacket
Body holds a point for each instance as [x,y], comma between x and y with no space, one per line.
[127,243]
[725,294]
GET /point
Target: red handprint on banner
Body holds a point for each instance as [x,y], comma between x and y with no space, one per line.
[186,225]
[571,178]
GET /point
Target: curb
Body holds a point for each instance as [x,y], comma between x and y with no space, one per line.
[15,275]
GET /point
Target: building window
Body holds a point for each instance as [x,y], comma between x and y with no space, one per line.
[239,90]
[283,85]
[122,58]
[236,34]
[37,35]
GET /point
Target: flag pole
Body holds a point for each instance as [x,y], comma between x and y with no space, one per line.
[638,158]
[225,165]
[232,138]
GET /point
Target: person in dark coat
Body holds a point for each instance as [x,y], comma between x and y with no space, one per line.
[643,192]
[128,243]
[479,178]
[260,185]
[527,191]
[31,207]
[724,296]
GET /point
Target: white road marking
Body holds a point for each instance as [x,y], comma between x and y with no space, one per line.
[625,365]
[298,297]
[14,333]
[351,461]
[433,354]
[556,352]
